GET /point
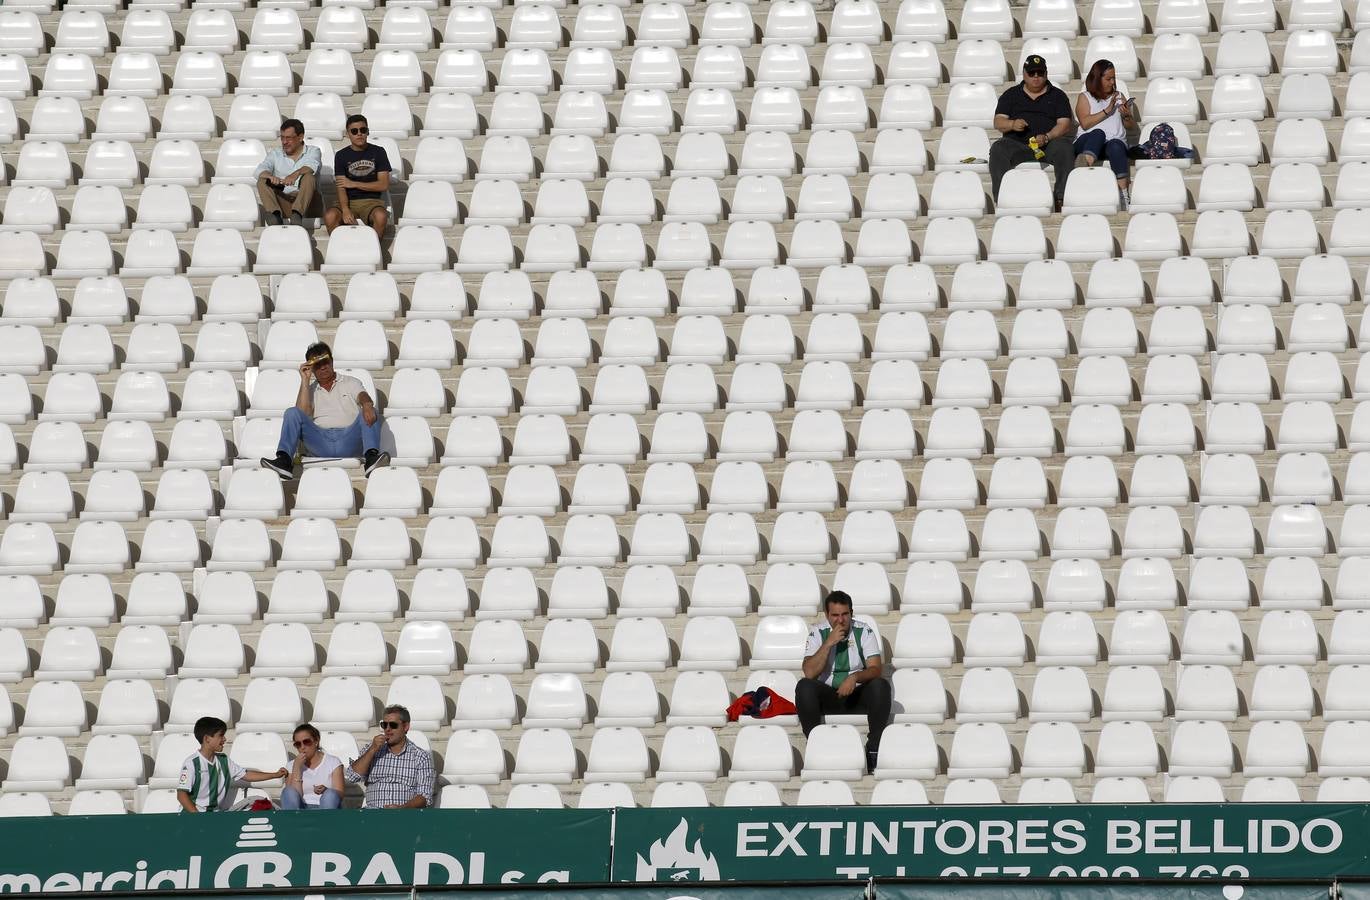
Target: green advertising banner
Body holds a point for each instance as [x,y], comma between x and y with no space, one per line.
[1221,840]
[305,849]
[885,890]
[842,891]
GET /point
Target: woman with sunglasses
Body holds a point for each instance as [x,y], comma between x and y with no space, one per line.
[1104,116]
[316,777]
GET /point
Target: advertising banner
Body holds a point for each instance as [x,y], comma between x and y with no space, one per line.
[305,849]
[1078,890]
[852,891]
[1221,840]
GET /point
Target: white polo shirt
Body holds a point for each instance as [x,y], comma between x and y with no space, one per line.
[336,408]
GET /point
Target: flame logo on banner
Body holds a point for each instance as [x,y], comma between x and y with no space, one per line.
[675,860]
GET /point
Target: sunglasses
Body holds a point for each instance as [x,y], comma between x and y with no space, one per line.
[307,742]
[390,725]
[1037,73]
[359,131]
[320,360]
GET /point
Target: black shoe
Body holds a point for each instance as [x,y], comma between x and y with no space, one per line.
[374,459]
[277,218]
[872,757]
[297,219]
[281,464]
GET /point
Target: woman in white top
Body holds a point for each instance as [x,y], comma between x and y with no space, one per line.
[316,777]
[1104,116]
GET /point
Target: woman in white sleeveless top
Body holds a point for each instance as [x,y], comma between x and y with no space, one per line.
[1104,117]
[316,777]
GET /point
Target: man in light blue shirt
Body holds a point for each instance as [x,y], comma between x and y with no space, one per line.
[285,179]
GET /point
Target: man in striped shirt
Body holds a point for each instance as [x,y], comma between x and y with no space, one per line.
[843,674]
[209,779]
[398,773]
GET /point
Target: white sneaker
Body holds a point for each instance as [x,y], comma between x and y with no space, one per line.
[1124,199]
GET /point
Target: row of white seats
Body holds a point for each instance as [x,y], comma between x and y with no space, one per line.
[1211,637]
[697,387]
[1158,485]
[886,432]
[833,157]
[602,25]
[841,106]
[1072,584]
[329,74]
[698,336]
[612,439]
[833,752]
[440,155]
[1113,789]
[1226,475]
[411,27]
[690,389]
[197,442]
[1133,696]
[827,196]
[677,794]
[907,288]
[681,246]
[868,538]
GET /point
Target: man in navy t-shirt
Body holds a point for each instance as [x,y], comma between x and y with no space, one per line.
[361,171]
[1033,108]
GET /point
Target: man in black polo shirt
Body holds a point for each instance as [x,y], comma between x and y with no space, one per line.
[1033,108]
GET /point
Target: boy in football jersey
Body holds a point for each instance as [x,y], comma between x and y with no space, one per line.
[209,778]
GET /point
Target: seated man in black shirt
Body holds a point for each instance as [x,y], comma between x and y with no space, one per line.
[1033,108]
[361,171]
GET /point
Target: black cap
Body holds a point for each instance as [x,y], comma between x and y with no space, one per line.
[1034,64]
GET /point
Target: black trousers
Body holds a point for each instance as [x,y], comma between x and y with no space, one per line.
[814,698]
[1006,153]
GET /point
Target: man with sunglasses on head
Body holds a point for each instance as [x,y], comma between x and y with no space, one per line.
[398,773]
[285,179]
[361,171]
[1033,111]
[334,416]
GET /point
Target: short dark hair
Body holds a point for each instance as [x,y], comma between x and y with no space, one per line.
[308,729]
[398,710]
[316,350]
[208,726]
[295,124]
[355,117]
[841,598]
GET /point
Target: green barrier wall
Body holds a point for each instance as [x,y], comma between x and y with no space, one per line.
[1231,840]
[855,891]
[683,847]
[1077,891]
[303,849]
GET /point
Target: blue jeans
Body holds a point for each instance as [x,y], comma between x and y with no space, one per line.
[329,799]
[1096,145]
[353,440]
